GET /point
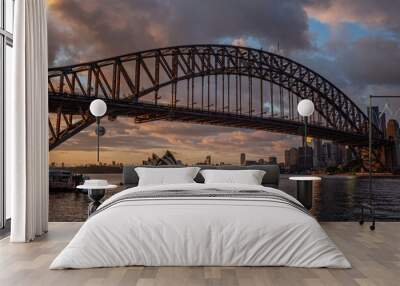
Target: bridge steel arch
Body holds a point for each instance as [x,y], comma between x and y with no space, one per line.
[135,85]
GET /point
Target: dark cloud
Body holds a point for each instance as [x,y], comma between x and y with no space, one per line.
[366,66]
[360,59]
[83,30]
[372,61]
[325,66]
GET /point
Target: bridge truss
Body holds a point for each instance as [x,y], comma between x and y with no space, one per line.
[205,84]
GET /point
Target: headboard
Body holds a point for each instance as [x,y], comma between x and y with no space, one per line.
[270,179]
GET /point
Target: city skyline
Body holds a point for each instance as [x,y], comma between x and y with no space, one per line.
[150,159]
[379,119]
[339,43]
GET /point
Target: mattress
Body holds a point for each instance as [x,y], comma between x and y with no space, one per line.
[201,225]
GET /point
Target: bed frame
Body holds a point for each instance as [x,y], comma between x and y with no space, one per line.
[270,179]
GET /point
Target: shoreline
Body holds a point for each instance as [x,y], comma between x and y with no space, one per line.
[362,175]
[355,175]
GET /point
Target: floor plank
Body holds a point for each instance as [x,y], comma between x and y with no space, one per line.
[375,257]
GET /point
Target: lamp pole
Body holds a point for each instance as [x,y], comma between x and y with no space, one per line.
[305,132]
[306,109]
[98,109]
[370,144]
[98,137]
[305,143]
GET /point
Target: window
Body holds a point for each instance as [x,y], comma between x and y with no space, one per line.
[6,43]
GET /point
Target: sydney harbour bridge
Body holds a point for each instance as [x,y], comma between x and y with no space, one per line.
[205,84]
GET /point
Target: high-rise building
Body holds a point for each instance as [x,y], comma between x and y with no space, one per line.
[287,158]
[291,159]
[342,154]
[392,129]
[317,153]
[208,160]
[326,151]
[378,119]
[335,154]
[374,115]
[383,123]
[393,133]
[243,159]
[328,154]
[349,156]
[273,160]
[305,158]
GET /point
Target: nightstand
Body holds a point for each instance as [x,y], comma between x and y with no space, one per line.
[96,191]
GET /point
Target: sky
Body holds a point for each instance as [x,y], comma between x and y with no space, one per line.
[355,44]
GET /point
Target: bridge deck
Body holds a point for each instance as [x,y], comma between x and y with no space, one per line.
[145,112]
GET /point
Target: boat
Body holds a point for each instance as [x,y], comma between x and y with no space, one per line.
[60,179]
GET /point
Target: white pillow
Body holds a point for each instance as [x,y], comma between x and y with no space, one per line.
[165,176]
[248,177]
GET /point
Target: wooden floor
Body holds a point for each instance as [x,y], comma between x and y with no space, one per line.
[375,257]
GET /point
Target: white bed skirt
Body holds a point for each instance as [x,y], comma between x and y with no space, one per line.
[200,232]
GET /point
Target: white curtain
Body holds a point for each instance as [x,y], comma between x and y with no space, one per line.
[27,124]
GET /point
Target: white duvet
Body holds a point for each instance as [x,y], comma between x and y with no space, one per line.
[212,231]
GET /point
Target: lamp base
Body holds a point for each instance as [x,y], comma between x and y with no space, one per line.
[95,196]
[305,193]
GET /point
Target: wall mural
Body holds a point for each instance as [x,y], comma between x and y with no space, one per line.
[223,94]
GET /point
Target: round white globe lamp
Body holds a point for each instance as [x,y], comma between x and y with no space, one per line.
[98,108]
[305,108]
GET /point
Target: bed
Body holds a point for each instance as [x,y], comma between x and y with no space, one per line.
[196,224]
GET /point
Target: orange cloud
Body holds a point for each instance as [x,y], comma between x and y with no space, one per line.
[365,12]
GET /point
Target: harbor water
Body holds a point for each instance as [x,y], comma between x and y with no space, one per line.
[336,198]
